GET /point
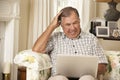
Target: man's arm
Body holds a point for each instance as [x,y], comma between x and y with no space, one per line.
[102,68]
[41,42]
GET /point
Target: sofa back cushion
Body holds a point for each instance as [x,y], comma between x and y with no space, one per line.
[113,68]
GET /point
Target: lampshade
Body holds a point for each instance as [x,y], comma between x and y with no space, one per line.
[112,14]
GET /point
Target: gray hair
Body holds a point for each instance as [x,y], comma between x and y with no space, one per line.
[67,11]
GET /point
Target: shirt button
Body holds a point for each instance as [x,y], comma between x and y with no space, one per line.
[75,52]
[73,45]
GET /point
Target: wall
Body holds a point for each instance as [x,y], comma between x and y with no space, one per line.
[24,23]
[2,32]
[9,25]
[102,7]
[107,44]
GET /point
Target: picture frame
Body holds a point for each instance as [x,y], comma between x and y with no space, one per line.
[108,30]
[116,33]
[93,27]
[113,25]
[102,31]
[94,23]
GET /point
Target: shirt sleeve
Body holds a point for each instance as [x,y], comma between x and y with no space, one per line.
[51,42]
[49,46]
[98,51]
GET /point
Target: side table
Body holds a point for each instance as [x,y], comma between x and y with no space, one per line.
[21,75]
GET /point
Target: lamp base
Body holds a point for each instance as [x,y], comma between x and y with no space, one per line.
[5,76]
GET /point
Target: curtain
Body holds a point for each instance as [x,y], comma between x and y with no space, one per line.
[43,11]
[88,13]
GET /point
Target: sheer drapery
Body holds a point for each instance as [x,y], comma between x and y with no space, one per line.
[88,12]
[42,11]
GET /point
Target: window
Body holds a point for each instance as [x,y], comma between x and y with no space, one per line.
[74,3]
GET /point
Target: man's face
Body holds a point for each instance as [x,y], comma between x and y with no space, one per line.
[71,26]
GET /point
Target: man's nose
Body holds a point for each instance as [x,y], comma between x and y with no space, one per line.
[72,26]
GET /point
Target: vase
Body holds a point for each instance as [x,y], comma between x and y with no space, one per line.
[112,14]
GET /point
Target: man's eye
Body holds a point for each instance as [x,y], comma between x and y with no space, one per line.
[76,23]
[67,24]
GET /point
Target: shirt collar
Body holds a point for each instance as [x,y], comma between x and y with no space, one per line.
[79,36]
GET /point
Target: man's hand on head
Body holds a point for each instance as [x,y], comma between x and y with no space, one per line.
[56,22]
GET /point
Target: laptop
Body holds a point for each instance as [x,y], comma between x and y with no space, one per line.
[76,65]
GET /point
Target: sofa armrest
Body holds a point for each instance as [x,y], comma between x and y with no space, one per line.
[37,64]
[21,74]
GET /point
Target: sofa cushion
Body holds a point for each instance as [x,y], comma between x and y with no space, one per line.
[113,68]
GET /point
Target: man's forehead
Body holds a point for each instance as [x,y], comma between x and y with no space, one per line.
[69,19]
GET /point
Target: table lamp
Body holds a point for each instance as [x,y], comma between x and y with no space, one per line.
[112,14]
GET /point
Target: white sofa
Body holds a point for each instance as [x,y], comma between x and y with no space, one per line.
[113,68]
[40,64]
[36,64]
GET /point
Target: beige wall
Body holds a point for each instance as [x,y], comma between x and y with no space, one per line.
[102,7]
[24,23]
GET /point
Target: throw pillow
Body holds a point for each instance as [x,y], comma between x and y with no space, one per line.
[113,68]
